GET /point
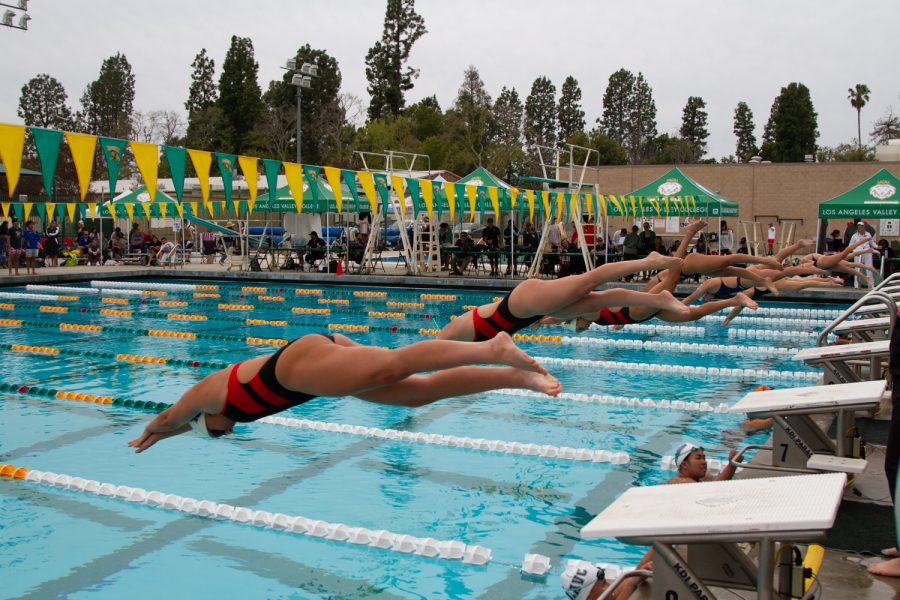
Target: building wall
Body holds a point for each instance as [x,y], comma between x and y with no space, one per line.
[765,192]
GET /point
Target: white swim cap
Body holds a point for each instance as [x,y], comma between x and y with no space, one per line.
[579,578]
[683,452]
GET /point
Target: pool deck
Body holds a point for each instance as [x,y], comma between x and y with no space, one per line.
[843,574]
[393,278]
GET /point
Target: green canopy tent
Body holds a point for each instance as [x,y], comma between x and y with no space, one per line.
[874,198]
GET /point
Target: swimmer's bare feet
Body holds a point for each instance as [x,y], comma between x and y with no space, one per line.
[508,353]
[669,302]
[745,301]
[696,226]
[767,283]
[657,262]
[548,320]
[890,552]
[734,312]
[888,568]
[617,327]
[771,262]
[546,384]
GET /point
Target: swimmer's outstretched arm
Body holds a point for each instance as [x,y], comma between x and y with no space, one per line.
[710,286]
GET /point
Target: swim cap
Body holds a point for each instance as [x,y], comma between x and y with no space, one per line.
[198,424]
[579,578]
[761,388]
[683,452]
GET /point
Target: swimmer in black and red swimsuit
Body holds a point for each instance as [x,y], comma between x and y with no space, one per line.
[318,365]
[533,299]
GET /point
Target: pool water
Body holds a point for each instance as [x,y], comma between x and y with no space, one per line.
[59,542]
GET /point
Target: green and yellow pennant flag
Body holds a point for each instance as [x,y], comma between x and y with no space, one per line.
[202,161]
[113,152]
[147,158]
[450,193]
[427,196]
[529,197]
[399,186]
[82,147]
[333,176]
[367,181]
[51,209]
[294,174]
[493,194]
[226,164]
[12,143]
[271,168]
[47,142]
[248,166]
[472,195]
[176,156]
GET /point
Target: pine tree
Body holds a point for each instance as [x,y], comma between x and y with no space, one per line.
[616,105]
[693,125]
[743,130]
[792,128]
[507,157]
[540,127]
[571,117]
[472,112]
[642,121]
[43,103]
[108,101]
[239,95]
[202,93]
[386,72]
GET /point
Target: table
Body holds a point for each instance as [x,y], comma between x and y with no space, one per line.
[720,514]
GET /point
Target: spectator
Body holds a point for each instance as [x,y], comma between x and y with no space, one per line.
[659,247]
[4,244]
[94,252]
[118,244]
[771,238]
[94,233]
[726,239]
[357,248]
[364,224]
[316,246]
[189,233]
[491,238]
[648,236]
[465,247]
[15,245]
[32,242]
[136,239]
[864,259]
[589,235]
[152,243]
[631,244]
[700,246]
[51,245]
[208,243]
[619,240]
[742,247]
[163,253]
[511,233]
[530,237]
[835,242]
[445,240]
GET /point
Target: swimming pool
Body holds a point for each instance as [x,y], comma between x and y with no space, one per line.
[640,393]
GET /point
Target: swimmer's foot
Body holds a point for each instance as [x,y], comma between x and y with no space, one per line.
[507,353]
[546,384]
[657,262]
[772,262]
[888,568]
[734,312]
[696,226]
[767,283]
[745,301]
[891,552]
[669,302]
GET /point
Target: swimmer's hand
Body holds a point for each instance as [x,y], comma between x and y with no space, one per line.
[148,438]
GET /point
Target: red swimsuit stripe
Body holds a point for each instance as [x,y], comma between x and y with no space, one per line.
[239,398]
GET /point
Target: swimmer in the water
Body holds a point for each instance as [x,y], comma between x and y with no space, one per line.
[333,365]
[532,299]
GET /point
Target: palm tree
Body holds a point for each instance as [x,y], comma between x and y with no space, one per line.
[859,96]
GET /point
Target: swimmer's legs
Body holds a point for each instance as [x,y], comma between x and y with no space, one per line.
[708,308]
[419,390]
[597,301]
[326,369]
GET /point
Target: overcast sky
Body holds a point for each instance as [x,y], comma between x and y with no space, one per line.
[723,51]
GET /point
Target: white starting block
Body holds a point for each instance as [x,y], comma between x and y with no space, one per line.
[798,443]
[843,362]
[865,330]
[711,518]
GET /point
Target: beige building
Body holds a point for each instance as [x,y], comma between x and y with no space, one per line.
[766,192]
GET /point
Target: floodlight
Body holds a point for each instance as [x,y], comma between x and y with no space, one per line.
[23,5]
[291,64]
[309,69]
[297,80]
[306,82]
[23,21]
[8,18]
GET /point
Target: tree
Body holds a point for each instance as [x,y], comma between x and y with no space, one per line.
[471,116]
[859,96]
[571,117]
[427,117]
[157,127]
[693,125]
[743,130]
[319,104]
[540,127]
[43,104]
[386,72]
[616,98]
[239,95]
[671,150]
[886,128]
[507,157]
[854,152]
[107,102]
[791,131]
[202,93]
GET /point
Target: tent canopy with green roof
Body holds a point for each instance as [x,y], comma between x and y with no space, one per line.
[874,198]
[318,200]
[687,196]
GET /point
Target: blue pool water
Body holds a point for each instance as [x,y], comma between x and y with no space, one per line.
[57,542]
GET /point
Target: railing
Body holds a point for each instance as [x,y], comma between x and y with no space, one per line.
[871,297]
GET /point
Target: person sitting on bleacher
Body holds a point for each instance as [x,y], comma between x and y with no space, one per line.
[152,243]
[316,246]
[136,239]
[118,244]
[84,240]
[357,248]
[465,246]
[94,252]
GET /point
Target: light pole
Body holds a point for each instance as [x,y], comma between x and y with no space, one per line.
[9,15]
[301,79]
